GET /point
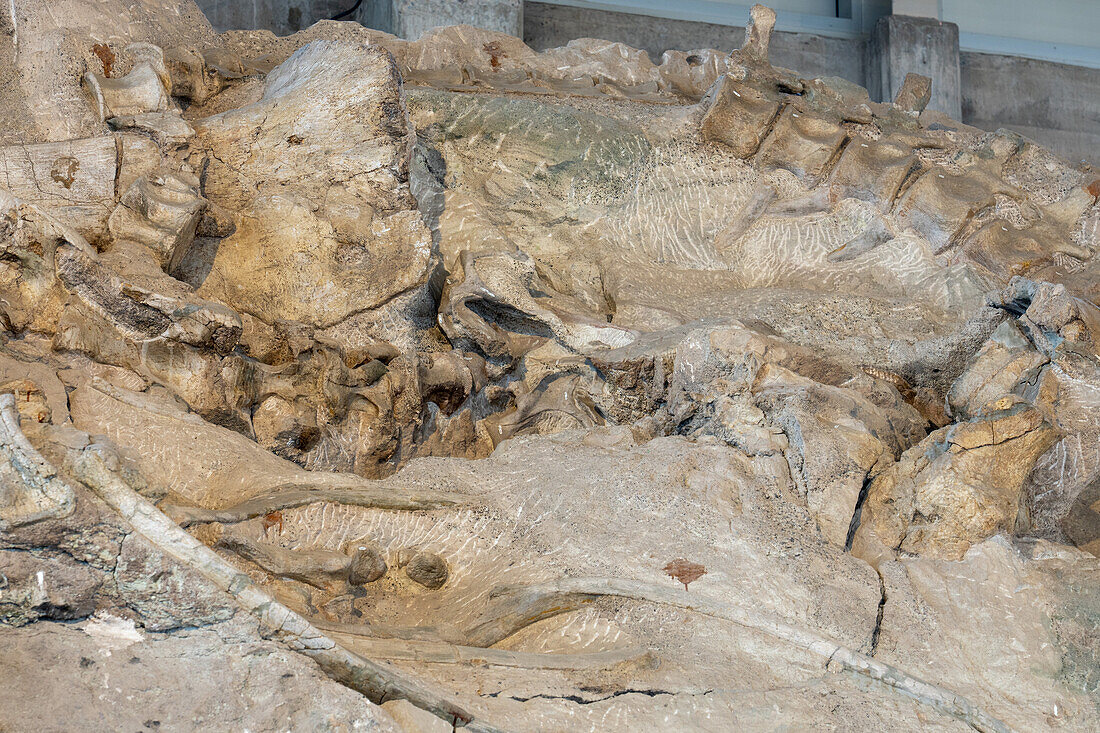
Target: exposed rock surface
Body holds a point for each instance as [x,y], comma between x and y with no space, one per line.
[346,380]
[114,676]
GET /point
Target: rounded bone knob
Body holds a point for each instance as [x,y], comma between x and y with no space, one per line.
[367,566]
[427,569]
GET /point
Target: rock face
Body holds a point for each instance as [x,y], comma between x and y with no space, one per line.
[531,391]
[222,676]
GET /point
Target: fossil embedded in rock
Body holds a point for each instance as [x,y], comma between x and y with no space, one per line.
[444,363]
[367,566]
[428,570]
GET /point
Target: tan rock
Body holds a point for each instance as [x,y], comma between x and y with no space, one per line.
[160,212]
[758,32]
[139,92]
[73,180]
[428,570]
[738,116]
[872,170]
[802,143]
[914,94]
[412,719]
[959,486]
[692,73]
[634,390]
[368,243]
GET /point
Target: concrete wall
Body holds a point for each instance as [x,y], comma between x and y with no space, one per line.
[411,18]
[1062,22]
[1054,104]
[405,18]
[282,17]
[901,44]
[546,26]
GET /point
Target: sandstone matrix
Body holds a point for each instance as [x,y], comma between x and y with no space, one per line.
[354,383]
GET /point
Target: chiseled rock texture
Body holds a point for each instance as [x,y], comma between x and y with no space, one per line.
[224,677]
[354,383]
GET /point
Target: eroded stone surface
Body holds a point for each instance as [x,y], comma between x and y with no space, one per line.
[532,390]
[114,675]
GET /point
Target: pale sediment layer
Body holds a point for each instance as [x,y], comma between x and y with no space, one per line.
[352,383]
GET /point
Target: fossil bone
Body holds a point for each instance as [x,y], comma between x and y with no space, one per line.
[542,389]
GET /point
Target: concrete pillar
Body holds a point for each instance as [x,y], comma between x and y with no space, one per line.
[901,44]
[410,18]
[919,8]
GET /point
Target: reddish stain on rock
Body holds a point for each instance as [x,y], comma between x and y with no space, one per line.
[272,519]
[106,56]
[496,53]
[685,571]
[64,170]
[1094,188]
